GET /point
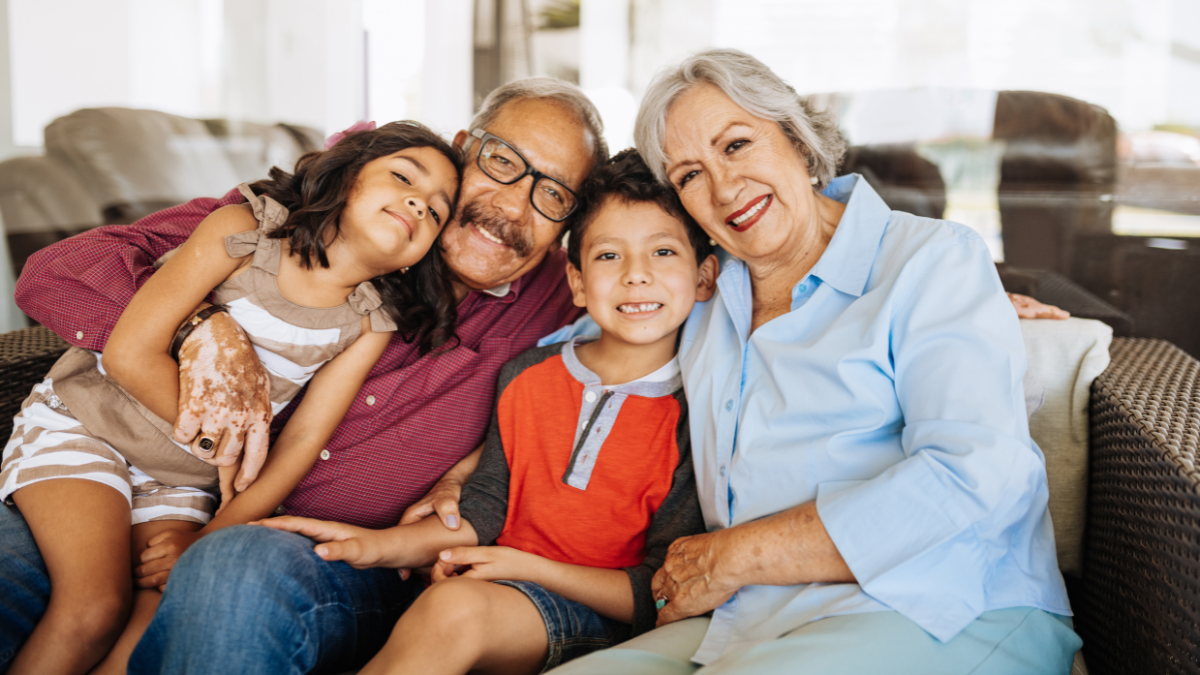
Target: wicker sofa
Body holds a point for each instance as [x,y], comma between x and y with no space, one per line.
[1137,603]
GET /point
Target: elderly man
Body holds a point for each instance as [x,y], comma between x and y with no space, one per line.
[259,598]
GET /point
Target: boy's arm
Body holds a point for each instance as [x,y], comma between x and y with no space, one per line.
[678,516]
[415,545]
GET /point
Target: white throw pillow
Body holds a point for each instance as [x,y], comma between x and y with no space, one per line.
[1066,356]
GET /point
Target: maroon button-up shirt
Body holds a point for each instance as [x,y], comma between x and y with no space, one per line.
[415,416]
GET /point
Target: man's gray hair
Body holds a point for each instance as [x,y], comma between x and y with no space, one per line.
[556,90]
[754,87]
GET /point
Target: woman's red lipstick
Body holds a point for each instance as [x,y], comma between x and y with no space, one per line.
[764,201]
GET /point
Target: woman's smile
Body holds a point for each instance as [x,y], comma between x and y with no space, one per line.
[749,214]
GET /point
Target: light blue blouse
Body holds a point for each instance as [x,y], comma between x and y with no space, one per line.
[891,394]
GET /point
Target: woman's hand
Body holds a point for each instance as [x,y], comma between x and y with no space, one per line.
[691,578]
[1028,308]
[225,395]
[356,546]
[162,551]
[489,563]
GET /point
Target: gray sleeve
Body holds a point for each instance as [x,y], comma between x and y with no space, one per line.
[484,501]
[678,516]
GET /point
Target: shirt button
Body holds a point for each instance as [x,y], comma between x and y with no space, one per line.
[370,400]
[590,397]
[324,454]
[78,335]
[803,288]
[729,404]
[279,510]
[722,471]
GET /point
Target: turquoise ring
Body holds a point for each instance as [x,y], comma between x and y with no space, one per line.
[662,602]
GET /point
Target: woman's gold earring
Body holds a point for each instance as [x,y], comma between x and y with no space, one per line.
[712,242]
[403,270]
[813,180]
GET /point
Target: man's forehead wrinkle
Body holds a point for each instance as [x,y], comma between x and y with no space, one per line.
[535,128]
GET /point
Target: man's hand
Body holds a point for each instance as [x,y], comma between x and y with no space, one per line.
[224,395]
[357,546]
[689,579]
[1028,308]
[489,563]
[160,555]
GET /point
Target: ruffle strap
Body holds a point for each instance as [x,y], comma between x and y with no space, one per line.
[366,301]
[270,215]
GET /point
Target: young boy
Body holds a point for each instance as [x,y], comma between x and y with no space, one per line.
[586,475]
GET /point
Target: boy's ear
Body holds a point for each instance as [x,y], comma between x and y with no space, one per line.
[460,138]
[575,280]
[709,269]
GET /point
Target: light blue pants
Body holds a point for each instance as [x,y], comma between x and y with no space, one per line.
[1002,642]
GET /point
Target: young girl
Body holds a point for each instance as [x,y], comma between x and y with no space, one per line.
[319,268]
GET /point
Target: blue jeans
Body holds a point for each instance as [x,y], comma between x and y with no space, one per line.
[255,600]
[24,584]
[572,629]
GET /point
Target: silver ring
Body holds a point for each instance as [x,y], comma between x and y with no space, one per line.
[206,443]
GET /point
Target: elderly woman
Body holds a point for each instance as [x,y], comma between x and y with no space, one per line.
[874,503]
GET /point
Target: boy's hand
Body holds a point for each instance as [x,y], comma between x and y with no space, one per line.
[356,546]
[489,563]
[162,551]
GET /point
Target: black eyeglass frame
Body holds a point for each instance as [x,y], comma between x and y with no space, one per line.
[483,138]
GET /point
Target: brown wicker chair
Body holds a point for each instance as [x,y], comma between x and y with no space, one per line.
[1138,603]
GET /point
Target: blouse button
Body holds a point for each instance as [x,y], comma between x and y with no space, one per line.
[78,335]
[324,454]
[370,400]
[590,397]
[729,404]
[722,471]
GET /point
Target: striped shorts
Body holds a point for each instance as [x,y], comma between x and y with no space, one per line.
[48,443]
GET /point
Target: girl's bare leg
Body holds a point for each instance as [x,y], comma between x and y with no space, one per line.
[145,600]
[461,625]
[82,531]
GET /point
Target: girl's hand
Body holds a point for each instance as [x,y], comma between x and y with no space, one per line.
[357,546]
[224,394]
[160,556]
[489,563]
[689,579]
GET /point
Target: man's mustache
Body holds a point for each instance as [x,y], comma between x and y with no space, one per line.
[512,234]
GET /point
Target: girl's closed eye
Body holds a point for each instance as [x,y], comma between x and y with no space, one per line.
[402,177]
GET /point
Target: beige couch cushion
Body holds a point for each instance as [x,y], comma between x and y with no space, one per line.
[1066,356]
[125,156]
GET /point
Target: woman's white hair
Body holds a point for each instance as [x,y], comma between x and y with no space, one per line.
[754,87]
[563,93]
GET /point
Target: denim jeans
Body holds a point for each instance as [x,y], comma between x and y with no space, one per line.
[572,629]
[24,584]
[250,599]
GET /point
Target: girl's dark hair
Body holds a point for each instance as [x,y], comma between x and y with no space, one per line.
[422,300]
[626,178]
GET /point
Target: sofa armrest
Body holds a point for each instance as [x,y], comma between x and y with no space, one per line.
[25,357]
[1138,604]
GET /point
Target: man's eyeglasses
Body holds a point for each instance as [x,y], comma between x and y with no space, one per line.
[503,164]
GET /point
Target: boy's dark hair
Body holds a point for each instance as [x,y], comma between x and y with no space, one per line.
[626,177]
[422,300]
